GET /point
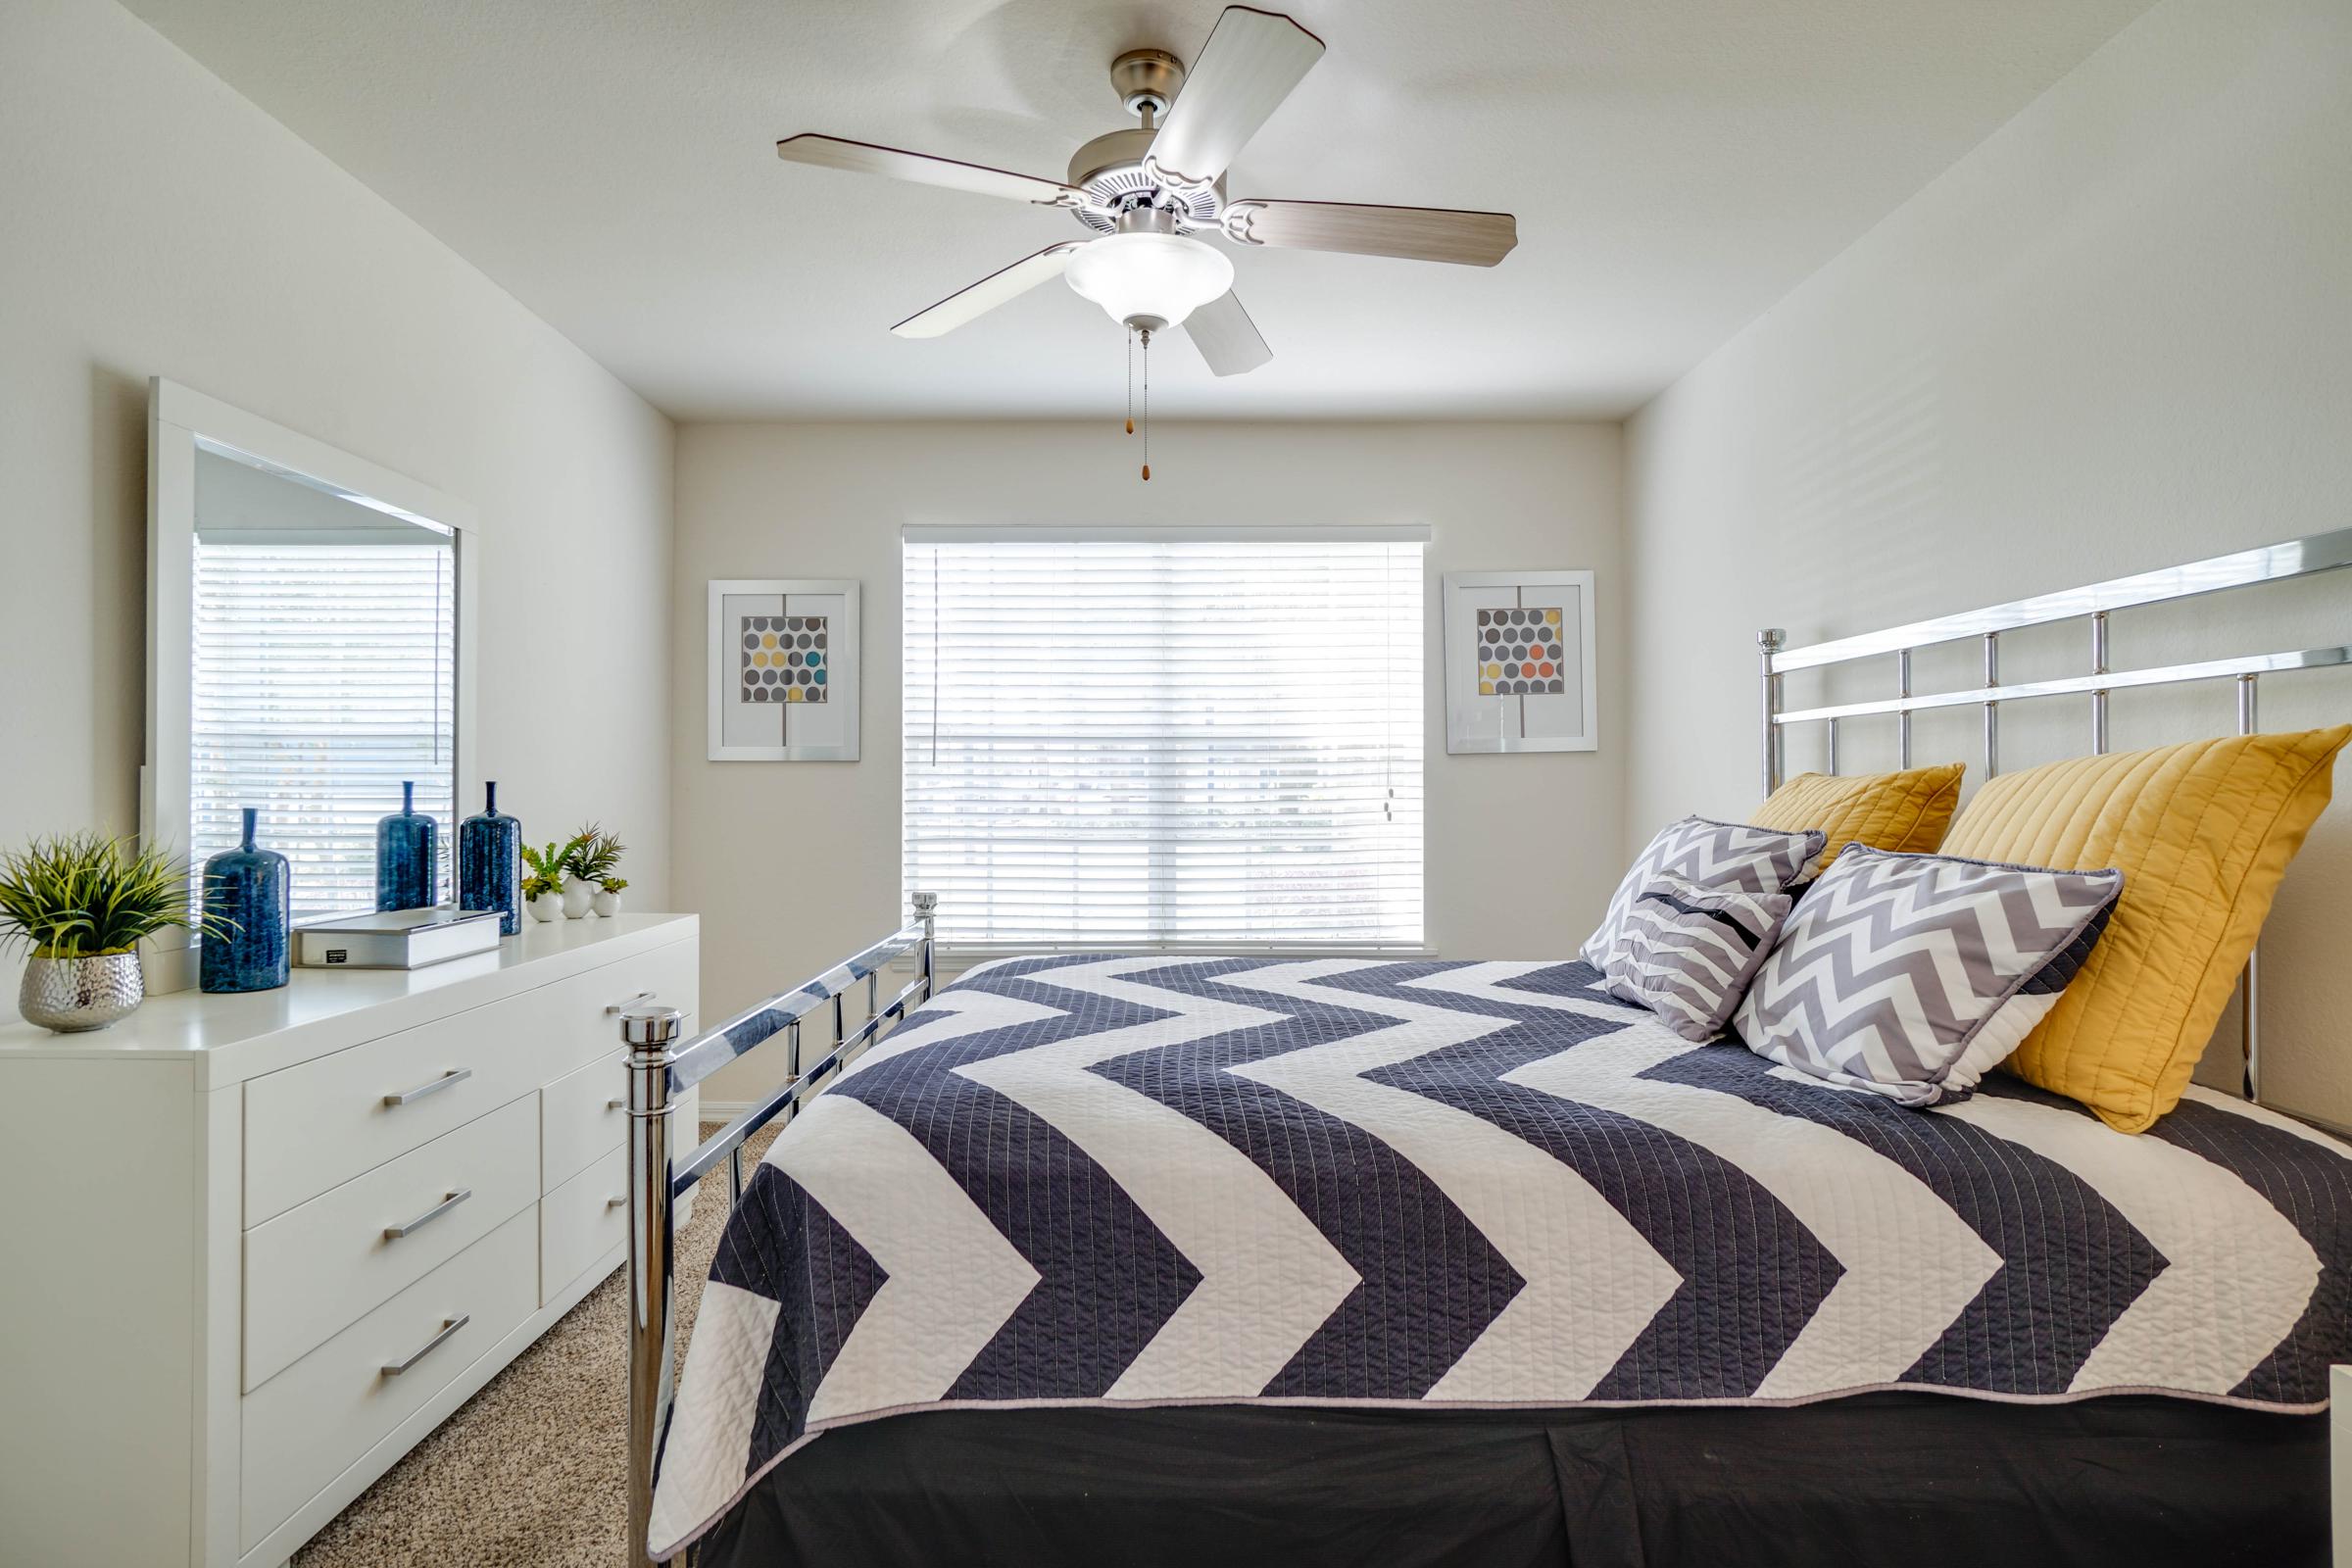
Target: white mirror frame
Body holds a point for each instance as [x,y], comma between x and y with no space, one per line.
[178,423]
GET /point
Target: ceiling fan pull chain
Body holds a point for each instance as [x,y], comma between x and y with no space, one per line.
[1131,380]
[1146,405]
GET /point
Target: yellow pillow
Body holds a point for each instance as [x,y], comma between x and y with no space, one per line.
[1906,812]
[2202,833]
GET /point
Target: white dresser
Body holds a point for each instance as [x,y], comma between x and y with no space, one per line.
[252,1248]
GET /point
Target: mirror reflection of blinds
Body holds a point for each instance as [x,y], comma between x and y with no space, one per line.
[324,677]
[1165,742]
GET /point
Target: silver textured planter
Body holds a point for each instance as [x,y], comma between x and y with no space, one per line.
[73,995]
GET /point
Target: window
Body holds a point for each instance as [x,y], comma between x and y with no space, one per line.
[322,680]
[1176,740]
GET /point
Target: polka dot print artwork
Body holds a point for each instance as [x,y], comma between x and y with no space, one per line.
[1520,652]
[784,659]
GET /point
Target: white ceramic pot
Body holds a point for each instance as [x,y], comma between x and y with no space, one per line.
[577,897]
[547,906]
[605,903]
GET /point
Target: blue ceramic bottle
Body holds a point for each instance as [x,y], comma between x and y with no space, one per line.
[404,856]
[490,864]
[249,894]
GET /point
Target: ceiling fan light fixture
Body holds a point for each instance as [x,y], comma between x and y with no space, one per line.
[1149,280]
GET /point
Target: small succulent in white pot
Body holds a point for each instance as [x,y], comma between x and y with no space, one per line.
[607,895]
[543,891]
[82,903]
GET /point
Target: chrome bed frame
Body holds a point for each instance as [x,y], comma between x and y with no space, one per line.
[2280,563]
[659,1069]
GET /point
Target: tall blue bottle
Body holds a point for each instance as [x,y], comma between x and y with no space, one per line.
[249,894]
[490,864]
[404,856]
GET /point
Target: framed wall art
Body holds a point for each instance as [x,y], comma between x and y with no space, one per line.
[783,670]
[1519,664]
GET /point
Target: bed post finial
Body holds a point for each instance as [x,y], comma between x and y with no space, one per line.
[649,1030]
[1768,643]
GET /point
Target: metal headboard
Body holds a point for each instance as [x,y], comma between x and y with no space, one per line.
[2296,558]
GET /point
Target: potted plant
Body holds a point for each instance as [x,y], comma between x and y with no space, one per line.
[543,889]
[82,903]
[589,871]
[607,895]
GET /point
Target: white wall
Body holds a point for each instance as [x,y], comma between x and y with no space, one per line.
[794,866]
[2116,336]
[157,223]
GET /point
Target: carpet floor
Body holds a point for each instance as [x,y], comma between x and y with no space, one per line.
[529,1472]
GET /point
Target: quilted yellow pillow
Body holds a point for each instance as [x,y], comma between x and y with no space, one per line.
[2202,833]
[1905,812]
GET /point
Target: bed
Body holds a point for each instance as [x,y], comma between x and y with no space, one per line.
[1167,1258]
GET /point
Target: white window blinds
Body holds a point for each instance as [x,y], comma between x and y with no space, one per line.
[322,680]
[1183,742]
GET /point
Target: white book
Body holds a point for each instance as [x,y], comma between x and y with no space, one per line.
[397,939]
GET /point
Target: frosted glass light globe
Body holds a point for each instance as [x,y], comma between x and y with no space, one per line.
[1149,280]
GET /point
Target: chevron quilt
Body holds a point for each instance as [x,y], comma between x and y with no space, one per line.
[1154,1180]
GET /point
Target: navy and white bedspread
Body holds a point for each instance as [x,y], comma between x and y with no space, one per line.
[1154,1180]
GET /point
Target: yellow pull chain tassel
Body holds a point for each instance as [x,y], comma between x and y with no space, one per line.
[1147,472]
[1131,428]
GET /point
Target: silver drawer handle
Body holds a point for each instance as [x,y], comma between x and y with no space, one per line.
[616,1203]
[449,1326]
[614,1009]
[409,1096]
[615,1102]
[393,1233]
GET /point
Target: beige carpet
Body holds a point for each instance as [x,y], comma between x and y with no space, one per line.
[529,1471]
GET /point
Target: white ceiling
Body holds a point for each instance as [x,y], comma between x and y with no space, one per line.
[1676,165]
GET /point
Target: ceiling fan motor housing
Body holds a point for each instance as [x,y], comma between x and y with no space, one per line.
[1111,170]
[1110,167]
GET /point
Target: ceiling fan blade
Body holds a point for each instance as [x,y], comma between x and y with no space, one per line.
[1416,234]
[866,158]
[990,292]
[1250,63]
[1226,336]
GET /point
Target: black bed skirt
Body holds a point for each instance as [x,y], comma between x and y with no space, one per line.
[1910,1480]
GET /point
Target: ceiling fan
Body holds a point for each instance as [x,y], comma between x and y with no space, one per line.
[1150,191]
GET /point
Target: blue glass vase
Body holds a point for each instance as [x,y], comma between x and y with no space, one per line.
[249,894]
[490,864]
[404,856]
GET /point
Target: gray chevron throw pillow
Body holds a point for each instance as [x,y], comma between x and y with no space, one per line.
[1913,975]
[1720,857]
[1687,953]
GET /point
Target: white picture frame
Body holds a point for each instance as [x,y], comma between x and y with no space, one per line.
[796,710]
[1543,699]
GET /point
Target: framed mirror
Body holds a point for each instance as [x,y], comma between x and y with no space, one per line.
[310,638]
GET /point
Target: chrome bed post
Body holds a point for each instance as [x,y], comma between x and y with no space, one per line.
[649,1031]
[1768,643]
[660,1070]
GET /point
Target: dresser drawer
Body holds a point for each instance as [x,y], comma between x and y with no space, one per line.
[305,1425]
[582,1115]
[585,1113]
[579,1223]
[314,1126]
[319,1266]
[582,1030]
